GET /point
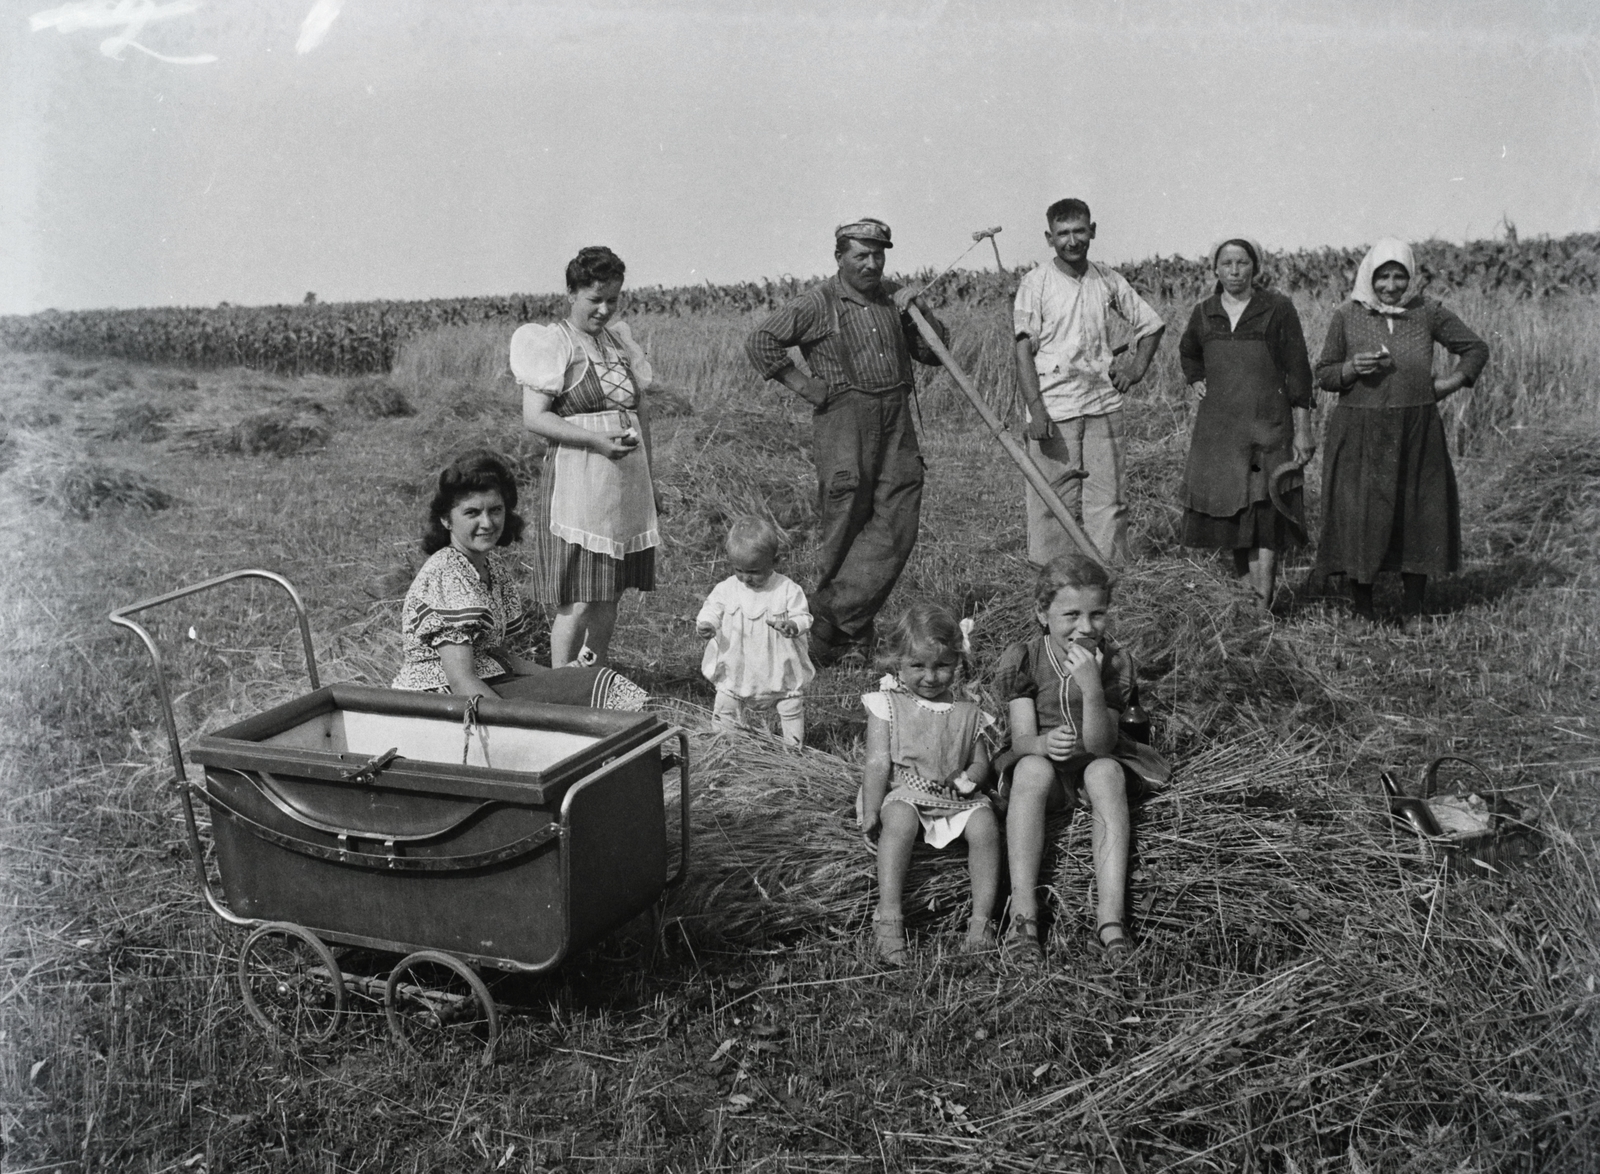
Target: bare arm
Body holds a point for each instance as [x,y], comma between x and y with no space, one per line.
[1025,735]
[460,670]
[875,775]
[1099,719]
[1039,426]
[539,418]
[1144,353]
[978,769]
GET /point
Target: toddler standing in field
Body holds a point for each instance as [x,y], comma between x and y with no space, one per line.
[755,622]
[925,763]
[1065,691]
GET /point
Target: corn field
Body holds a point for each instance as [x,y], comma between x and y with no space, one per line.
[356,338]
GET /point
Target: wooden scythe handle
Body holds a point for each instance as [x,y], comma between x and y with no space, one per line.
[1015,451]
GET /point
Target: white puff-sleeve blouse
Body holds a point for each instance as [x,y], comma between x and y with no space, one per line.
[551,359]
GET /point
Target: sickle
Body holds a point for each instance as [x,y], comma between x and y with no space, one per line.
[1275,491]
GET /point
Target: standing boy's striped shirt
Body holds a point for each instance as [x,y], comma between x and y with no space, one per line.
[880,342]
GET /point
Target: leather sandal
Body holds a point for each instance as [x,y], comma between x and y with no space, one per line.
[1115,951]
[1022,941]
[889,938]
[981,935]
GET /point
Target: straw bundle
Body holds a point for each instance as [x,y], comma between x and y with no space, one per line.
[777,848]
[68,482]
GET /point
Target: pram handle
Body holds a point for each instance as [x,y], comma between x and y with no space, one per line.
[121,617]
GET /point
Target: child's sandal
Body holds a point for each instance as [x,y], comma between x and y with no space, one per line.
[982,933]
[889,937]
[1115,951]
[1022,941]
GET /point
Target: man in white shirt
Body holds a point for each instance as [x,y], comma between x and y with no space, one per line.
[1073,396]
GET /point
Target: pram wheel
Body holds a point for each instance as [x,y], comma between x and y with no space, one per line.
[290,982]
[437,1005]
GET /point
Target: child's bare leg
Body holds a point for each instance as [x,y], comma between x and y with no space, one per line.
[983,861]
[896,837]
[1034,792]
[1109,833]
[895,840]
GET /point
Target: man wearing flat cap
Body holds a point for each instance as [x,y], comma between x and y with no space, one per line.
[856,337]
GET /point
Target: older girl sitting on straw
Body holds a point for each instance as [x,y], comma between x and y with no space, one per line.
[1065,691]
[925,764]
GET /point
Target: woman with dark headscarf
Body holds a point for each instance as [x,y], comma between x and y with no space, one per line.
[1245,355]
[1388,489]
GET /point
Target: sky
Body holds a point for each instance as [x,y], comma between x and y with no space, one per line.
[183,152]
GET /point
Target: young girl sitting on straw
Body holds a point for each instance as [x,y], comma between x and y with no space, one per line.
[924,767]
[1064,692]
[755,622]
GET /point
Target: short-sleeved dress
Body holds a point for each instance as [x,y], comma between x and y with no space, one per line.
[1034,670]
[593,525]
[748,657]
[929,741]
[449,604]
[1389,500]
[1255,372]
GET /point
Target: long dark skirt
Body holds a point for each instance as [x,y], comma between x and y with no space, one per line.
[1257,527]
[1389,499]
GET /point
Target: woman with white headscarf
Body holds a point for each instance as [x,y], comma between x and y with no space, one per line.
[1388,489]
[1245,355]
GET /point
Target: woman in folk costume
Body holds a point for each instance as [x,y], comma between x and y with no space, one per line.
[1245,355]
[594,521]
[1389,498]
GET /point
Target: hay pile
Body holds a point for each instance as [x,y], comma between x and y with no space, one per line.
[138,420]
[297,425]
[68,482]
[1305,967]
[375,398]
